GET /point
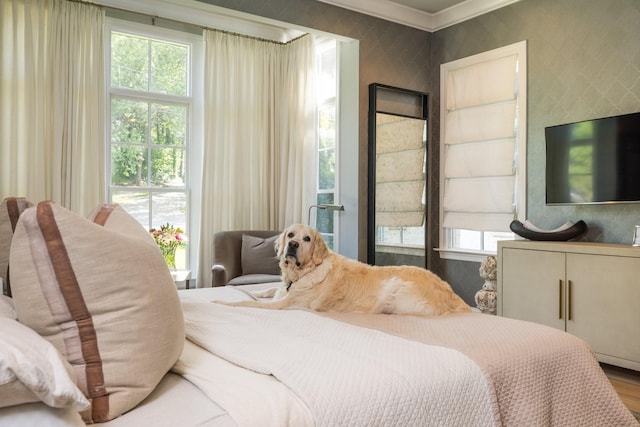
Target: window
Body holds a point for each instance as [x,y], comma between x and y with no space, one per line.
[483,150]
[155,112]
[151,103]
[326,138]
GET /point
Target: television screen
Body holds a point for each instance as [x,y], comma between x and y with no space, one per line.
[594,161]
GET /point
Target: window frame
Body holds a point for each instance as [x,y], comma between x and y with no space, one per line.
[193,132]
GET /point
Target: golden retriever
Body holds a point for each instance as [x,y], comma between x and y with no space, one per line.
[322,280]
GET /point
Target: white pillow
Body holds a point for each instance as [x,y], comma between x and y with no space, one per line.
[32,370]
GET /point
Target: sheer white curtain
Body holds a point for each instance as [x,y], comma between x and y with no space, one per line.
[52,102]
[258,161]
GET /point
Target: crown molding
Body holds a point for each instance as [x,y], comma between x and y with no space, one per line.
[390,11]
[467,10]
[208,16]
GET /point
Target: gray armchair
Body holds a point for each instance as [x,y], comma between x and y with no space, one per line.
[244,257]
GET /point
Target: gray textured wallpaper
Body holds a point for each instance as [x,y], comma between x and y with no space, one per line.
[583,63]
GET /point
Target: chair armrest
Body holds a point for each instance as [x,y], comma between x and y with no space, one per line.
[218,275]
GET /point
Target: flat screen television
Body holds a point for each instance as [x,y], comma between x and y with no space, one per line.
[594,161]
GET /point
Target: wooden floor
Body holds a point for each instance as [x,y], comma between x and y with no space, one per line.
[627,384]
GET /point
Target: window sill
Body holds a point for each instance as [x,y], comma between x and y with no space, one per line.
[401,249]
[463,255]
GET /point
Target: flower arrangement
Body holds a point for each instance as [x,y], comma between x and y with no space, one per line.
[168,238]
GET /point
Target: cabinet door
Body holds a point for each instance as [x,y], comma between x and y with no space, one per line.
[605,303]
[532,286]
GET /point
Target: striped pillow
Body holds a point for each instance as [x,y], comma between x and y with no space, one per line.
[100,291]
[10,210]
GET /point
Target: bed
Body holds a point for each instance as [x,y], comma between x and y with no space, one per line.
[247,367]
[169,358]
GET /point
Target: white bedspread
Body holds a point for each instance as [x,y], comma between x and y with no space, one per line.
[344,374]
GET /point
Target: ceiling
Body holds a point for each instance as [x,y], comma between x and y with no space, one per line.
[428,15]
[429,6]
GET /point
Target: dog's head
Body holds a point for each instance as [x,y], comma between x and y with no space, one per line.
[301,246]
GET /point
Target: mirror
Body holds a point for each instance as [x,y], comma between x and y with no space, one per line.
[397,194]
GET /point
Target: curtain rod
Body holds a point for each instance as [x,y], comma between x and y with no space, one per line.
[155,17]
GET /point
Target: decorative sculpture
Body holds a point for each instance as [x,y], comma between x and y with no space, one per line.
[566,231]
[486,298]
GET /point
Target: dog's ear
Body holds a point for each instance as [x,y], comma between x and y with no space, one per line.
[320,250]
[279,244]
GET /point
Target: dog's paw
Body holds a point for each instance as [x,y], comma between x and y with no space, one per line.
[280,293]
[268,293]
[274,293]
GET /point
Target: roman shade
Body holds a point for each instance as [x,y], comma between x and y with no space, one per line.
[480,145]
[400,180]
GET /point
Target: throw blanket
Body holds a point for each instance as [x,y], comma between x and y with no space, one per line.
[539,376]
[346,375]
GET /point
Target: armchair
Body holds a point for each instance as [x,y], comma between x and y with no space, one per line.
[244,257]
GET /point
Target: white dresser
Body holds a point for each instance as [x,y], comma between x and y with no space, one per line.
[591,290]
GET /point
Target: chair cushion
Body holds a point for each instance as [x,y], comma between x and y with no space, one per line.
[258,255]
[249,279]
[103,296]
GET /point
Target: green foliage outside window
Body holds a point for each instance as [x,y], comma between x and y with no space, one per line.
[148,138]
[146,64]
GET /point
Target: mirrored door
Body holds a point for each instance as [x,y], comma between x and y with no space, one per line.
[398,191]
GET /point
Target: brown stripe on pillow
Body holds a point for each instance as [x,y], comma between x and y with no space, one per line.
[103,213]
[7,286]
[13,211]
[72,294]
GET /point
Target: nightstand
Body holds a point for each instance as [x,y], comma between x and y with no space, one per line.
[180,276]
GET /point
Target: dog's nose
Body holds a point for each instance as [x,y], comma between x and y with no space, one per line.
[293,244]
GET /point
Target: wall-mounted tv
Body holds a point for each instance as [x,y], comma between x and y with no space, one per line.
[594,161]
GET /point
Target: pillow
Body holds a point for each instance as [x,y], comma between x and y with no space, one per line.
[103,296]
[7,309]
[258,255]
[114,217]
[33,370]
[10,210]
